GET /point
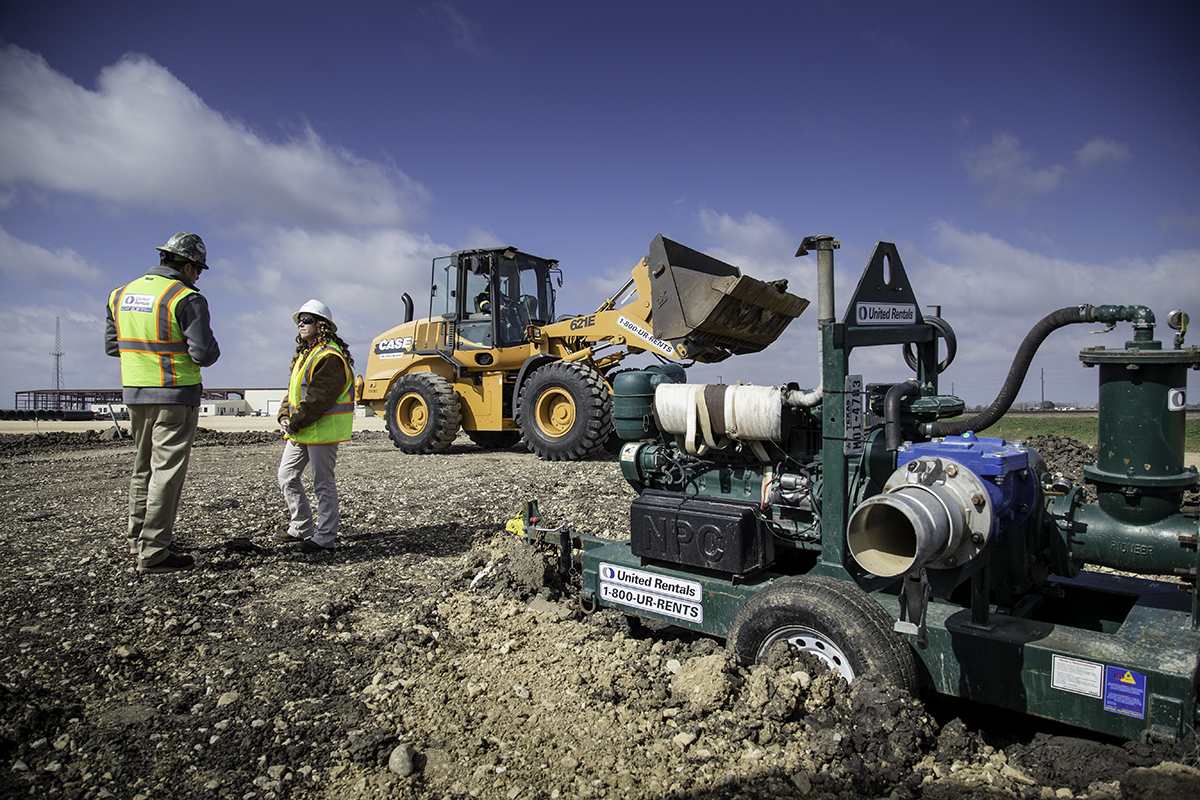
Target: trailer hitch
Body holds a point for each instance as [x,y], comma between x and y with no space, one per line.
[525,524]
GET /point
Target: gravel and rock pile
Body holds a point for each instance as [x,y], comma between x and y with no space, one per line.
[432,655]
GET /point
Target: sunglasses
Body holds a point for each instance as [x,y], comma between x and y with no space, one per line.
[306,321]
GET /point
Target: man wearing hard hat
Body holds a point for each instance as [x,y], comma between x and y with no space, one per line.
[158,326]
[317,415]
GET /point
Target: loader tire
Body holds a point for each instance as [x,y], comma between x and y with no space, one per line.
[829,618]
[423,413]
[495,440]
[565,412]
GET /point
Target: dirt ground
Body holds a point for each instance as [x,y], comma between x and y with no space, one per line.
[434,655]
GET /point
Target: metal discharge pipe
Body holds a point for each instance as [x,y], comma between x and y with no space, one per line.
[933,512]
[1092,536]
[893,534]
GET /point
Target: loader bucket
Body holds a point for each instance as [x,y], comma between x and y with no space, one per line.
[703,298]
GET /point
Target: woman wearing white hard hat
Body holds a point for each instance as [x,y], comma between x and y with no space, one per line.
[317,415]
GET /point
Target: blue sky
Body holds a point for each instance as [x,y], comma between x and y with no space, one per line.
[1023,156]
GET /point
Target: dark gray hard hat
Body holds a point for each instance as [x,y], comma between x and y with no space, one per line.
[188,246]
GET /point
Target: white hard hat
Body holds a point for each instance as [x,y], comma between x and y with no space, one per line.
[318,308]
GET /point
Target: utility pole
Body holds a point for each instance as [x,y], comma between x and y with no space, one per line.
[1042,407]
[58,373]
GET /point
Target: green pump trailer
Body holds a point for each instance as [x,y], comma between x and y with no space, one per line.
[873,527]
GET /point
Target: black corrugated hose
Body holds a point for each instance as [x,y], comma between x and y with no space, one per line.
[891,411]
[1016,373]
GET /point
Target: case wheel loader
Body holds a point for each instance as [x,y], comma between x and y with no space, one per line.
[494,359]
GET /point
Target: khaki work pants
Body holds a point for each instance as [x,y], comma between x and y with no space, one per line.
[323,458]
[162,435]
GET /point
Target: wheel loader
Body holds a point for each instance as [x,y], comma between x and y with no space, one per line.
[495,359]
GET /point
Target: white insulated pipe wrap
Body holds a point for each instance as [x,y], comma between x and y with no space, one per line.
[716,412]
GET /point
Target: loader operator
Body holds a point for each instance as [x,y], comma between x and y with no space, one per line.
[317,415]
[158,326]
[505,311]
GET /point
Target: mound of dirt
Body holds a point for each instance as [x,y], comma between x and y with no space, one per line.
[432,655]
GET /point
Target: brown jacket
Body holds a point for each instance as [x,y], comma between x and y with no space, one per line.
[328,380]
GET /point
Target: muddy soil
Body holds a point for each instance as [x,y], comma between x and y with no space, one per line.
[436,655]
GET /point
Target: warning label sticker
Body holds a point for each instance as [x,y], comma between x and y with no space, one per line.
[1124,692]
[1080,677]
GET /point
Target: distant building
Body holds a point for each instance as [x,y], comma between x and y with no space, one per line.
[214,403]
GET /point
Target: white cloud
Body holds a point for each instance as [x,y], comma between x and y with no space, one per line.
[144,138]
[27,263]
[1102,150]
[360,275]
[1005,166]
[993,293]
[759,246]
[993,276]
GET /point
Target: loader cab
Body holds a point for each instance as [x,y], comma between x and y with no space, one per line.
[492,296]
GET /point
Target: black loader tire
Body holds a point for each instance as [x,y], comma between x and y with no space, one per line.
[565,411]
[422,413]
[494,440]
[833,619]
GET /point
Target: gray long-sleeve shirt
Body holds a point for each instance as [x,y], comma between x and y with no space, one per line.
[192,314]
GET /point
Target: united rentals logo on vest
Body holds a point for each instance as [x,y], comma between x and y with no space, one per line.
[138,302]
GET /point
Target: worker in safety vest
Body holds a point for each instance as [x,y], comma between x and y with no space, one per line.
[317,415]
[158,326]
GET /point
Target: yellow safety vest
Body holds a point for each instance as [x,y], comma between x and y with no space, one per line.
[153,350]
[337,424]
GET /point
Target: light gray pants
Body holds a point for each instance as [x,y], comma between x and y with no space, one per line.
[162,436]
[323,458]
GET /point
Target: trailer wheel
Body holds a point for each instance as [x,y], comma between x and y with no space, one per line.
[829,618]
[423,413]
[565,411]
[495,440]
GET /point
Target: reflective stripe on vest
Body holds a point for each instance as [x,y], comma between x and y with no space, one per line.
[153,350]
[336,424]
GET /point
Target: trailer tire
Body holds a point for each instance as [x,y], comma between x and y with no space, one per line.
[565,411]
[494,440]
[830,618]
[422,413]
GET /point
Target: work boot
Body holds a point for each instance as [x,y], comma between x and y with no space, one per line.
[309,546]
[282,535]
[172,563]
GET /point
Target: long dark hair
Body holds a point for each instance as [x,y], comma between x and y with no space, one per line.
[325,335]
